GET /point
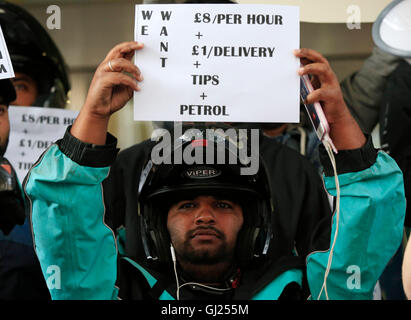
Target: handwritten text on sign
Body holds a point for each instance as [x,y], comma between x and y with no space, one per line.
[32,131]
[231,63]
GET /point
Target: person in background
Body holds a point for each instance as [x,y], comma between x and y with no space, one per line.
[41,77]
[20,273]
[41,80]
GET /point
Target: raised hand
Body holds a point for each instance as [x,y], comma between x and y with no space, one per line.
[109,91]
[345,132]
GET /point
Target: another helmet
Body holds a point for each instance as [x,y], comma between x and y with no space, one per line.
[7,92]
[164,184]
[33,52]
[12,203]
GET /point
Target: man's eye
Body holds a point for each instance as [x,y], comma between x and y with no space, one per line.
[224,205]
[186,205]
[20,87]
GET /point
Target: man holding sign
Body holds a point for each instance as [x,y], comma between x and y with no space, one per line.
[200,230]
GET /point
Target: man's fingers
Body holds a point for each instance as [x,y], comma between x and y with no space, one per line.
[321,70]
[124,50]
[120,65]
[116,79]
[314,96]
[321,94]
[310,54]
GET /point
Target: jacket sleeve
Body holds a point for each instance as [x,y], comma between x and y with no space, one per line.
[76,250]
[369,228]
[363,91]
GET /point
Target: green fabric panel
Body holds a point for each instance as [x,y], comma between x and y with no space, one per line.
[150,279]
[121,241]
[274,289]
[166,296]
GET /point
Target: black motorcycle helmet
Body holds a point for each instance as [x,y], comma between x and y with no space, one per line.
[164,184]
[7,92]
[33,52]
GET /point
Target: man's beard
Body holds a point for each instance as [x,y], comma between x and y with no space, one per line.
[205,255]
[3,147]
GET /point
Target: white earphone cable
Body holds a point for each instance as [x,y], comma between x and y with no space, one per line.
[328,147]
[173,257]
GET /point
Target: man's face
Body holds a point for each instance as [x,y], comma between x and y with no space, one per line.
[204,230]
[26,90]
[4,128]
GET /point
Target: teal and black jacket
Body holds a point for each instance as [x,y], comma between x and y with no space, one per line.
[81,196]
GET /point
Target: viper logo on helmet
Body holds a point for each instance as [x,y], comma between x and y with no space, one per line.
[202,173]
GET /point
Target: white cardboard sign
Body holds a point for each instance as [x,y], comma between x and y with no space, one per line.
[6,68]
[32,131]
[230,63]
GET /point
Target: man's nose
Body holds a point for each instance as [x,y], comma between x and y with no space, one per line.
[205,214]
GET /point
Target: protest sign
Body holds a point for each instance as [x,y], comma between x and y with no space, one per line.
[6,68]
[230,63]
[32,131]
